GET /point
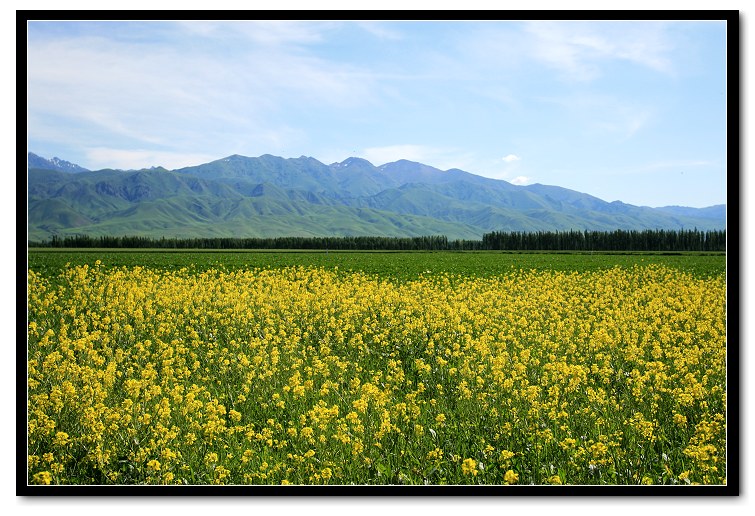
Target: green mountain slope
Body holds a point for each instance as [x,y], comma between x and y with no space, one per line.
[273,196]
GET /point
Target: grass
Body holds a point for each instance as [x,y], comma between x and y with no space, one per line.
[387,264]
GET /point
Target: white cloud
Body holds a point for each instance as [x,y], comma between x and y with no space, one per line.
[380,30]
[579,49]
[102,157]
[265,32]
[605,114]
[176,92]
[511,158]
[521,180]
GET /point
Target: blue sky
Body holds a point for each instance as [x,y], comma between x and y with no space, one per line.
[631,111]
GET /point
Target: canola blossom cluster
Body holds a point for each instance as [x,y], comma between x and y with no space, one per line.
[310,376]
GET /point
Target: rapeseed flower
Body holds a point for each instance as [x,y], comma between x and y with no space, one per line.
[469,467]
[43,477]
[215,373]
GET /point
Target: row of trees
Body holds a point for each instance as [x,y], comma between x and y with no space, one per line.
[618,240]
[421,243]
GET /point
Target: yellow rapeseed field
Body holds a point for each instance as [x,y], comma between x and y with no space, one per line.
[309,376]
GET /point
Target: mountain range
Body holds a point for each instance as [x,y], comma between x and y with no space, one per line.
[263,196]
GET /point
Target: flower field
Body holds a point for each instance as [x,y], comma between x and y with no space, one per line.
[313,375]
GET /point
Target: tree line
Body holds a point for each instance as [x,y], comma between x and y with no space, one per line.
[420,243]
[619,240]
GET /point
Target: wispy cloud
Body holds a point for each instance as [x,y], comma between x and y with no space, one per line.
[174,93]
[624,121]
[604,113]
[560,49]
[381,30]
[264,32]
[520,180]
[510,171]
[580,49]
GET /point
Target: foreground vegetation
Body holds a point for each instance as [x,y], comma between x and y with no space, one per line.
[312,374]
[396,265]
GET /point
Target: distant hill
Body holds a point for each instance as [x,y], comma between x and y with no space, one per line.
[274,196]
[717,212]
[58,164]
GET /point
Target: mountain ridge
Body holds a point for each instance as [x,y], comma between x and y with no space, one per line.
[35,161]
[274,196]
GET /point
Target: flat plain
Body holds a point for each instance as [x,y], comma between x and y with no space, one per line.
[399,265]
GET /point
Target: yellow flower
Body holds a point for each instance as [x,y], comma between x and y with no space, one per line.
[510,477]
[61,439]
[142,359]
[469,467]
[221,473]
[43,477]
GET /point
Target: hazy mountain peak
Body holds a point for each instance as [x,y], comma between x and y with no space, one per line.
[405,164]
[231,158]
[35,161]
[352,161]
